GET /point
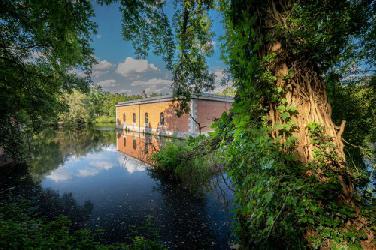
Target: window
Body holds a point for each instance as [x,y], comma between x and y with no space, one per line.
[124,117]
[161,118]
[125,141]
[146,118]
[134,143]
[134,117]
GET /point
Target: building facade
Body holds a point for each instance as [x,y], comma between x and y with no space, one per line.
[158,116]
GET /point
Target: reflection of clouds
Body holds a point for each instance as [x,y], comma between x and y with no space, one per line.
[111,148]
[87,172]
[131,165]
[59,174]
[93,168]
[102,165]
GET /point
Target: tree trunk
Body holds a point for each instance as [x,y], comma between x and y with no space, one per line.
[306,91]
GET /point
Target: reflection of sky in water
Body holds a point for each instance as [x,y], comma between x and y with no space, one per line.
[94,163]
[124,194]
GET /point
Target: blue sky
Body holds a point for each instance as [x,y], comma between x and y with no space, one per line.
[118,70]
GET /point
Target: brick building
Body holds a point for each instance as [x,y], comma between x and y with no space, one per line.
[157,115]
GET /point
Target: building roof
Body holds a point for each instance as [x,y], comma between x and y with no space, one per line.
[167,98]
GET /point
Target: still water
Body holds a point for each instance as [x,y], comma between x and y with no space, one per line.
[107,181]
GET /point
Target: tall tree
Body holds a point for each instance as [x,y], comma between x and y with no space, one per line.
[281,54]
[43,44]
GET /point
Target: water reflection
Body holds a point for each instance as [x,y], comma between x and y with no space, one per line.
[139,145]
[106,177]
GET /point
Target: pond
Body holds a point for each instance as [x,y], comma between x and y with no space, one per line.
[103,180]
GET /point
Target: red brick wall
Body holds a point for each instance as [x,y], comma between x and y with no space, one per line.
[208,111]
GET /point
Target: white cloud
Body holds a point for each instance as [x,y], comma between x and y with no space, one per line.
[152,81]
[219,74]
[222,81]
[125,91]
[101,68]
[102,165]
[59,174]
[131,66]
[107,83]
[159,90]
[87,172]
[102,65]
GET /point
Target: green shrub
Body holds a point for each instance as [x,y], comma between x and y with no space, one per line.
[105,119]
[187,161]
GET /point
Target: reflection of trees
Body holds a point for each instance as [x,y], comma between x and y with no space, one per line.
[81,142]
[18,187]
[49,149]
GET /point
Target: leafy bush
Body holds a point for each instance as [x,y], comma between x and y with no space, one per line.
[278,197]
[105,119]
[188,161]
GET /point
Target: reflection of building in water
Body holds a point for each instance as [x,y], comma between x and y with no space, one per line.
[157,115]
[138,145]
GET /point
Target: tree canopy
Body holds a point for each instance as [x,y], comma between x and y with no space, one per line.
[43,45]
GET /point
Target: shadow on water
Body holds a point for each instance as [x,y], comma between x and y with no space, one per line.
[190,219]
[18,187]
[102,179]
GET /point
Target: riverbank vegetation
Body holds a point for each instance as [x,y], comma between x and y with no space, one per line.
[190,161]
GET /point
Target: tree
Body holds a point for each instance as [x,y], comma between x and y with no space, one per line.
[285,154]
[79,111]
[43,45]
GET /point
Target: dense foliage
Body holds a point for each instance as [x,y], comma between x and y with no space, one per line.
[43,45]
[174,161]
[93,107]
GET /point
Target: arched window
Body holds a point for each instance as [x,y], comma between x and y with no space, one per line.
[125,141]
[124,117]
[134,143]
[134,117]
[146,118]
[161,118]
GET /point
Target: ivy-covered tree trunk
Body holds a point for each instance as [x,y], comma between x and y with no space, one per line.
[288,161]
[306,111]
[306,92]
